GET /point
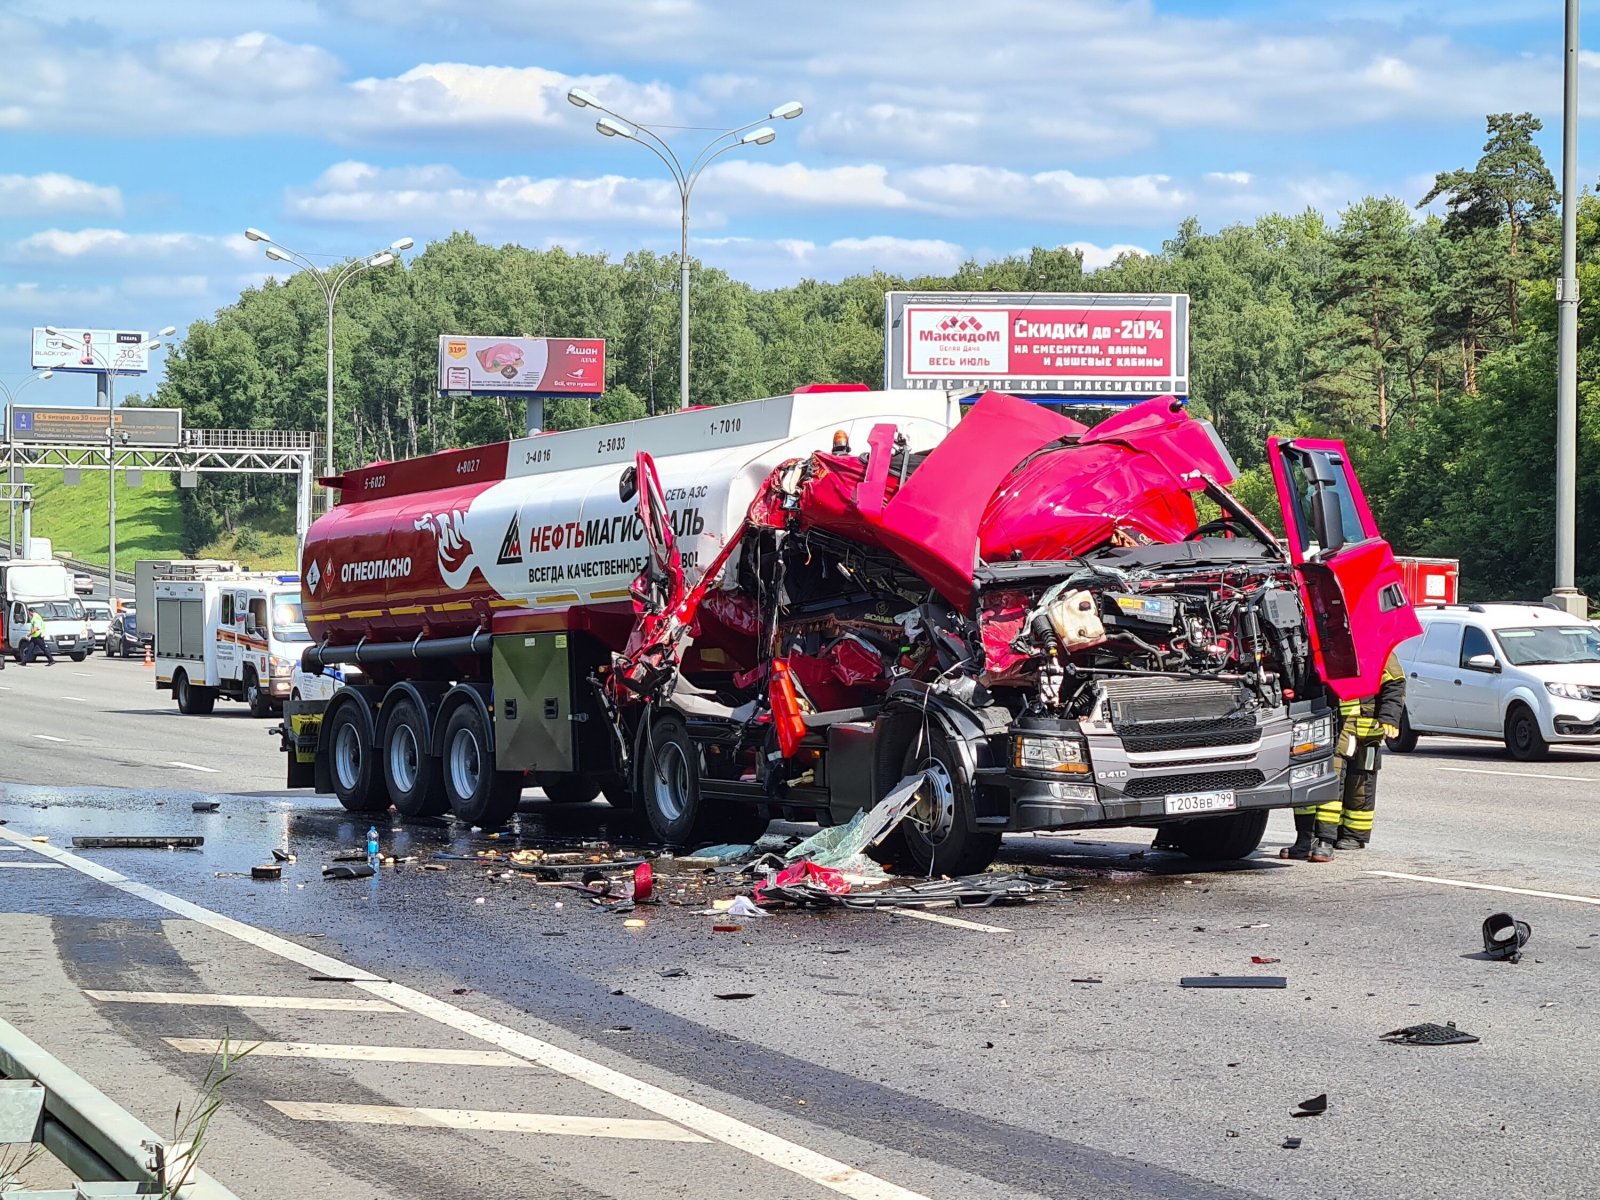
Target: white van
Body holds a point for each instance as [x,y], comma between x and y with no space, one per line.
[44,586]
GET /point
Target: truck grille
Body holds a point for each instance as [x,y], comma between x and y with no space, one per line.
[1137,701]
[1189,735]
[1204,781]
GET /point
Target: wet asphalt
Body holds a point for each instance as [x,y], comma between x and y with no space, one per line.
[955,1062]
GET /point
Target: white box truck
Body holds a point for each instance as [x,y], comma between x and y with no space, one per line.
[237,635]
[44,586]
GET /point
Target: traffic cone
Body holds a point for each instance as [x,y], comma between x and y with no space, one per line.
[149,655]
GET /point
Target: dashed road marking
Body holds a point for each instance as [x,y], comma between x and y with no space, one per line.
[192,767]
[213,1000]
[958,922]
[46,737]
[715,1126]
[398,1054]
[476,1120]
[79,699]
[1519,774]
[1487,887]
[84,674]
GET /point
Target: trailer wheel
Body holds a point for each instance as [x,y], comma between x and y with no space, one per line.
[673,807]
[255,695]
[934,839]
[566,789]
[351,768]
[476,792]
[192,701]
[414,777]
[1234,836]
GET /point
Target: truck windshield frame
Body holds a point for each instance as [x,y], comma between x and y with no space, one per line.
[290,625]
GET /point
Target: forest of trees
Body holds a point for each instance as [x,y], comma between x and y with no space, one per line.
[1427,342]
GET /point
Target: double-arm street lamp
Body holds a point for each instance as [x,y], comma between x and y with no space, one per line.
[111,373]
[13,487]
[614,124]
[331,282]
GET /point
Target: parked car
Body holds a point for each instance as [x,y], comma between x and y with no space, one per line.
[306,686]
[99,614]
[1525,674]
[124,638]
[83,584]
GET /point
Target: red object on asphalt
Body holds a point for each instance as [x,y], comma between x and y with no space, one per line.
[644,882]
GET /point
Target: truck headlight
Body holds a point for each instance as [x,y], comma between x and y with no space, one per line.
[1310,736]
[1572,691]
[1061,755]
[1310,771]
[282,667]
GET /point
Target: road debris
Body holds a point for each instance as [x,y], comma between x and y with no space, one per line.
[1291,1143]
[844,846]
[1234,981]
[267,871]
[743,906]
[1428,1034]
[174,842]
[1262,960]
[348,870]
[726,928]
[968,891]
[1313,1107]
[735,995]
[1504,937]
[675,973]
[283,856]
[205,806]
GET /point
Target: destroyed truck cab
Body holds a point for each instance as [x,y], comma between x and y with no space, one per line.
[1028,621]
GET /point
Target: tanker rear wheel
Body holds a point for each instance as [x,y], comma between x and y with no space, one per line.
[351,767]
[476,792]
[566,789]
[414,777]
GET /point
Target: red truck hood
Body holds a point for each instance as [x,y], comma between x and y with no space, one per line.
[1014,478]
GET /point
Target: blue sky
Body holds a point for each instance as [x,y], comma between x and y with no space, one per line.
[138,139]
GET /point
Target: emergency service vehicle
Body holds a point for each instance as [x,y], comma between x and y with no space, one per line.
[236,635]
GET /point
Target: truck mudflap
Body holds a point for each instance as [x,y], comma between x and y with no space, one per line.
[299,732]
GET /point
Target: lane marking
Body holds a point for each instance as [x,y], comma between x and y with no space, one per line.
[83,674]
[778,1151]
[192,767]
[29,866]
[958,922]
[5,687]
[1487,887]
[45,737]
[79,699]
[477,1120]
[1518,774]
[398,1054]
[214,1000]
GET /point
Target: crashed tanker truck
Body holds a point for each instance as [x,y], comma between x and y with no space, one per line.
[788,607]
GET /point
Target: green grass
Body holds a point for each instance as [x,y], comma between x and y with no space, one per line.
[260,551]
[149,524]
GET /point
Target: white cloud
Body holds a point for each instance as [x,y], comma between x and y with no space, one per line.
[782,261]
[863,186]
[51,194]
[103,246]
[252,64]
[1095,257]
[1242,178]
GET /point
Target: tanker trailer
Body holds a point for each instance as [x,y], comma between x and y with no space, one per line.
[790,606]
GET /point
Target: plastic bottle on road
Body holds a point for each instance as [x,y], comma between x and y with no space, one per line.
[372,846]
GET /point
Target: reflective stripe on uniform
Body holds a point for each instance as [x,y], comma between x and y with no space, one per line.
[1358,819]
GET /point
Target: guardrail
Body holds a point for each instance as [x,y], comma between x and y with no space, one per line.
[43,1100]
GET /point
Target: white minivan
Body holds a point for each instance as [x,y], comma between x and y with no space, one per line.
[1524,674]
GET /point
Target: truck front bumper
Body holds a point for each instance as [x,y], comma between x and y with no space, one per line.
[1037,804]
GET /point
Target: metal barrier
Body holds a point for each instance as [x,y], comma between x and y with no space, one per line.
[112,1152]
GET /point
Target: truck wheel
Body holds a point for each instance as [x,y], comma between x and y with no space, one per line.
[192,701]
[934,838]
[351,767]
[1407,741]
[414,777]
[566,789]
[1524,742]
[255,695]
[475,791]
[79,655]
[670,799]
[1234,836]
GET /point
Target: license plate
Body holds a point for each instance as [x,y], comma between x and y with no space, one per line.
[1199,802]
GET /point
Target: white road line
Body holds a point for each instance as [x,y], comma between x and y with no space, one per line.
[29,866]
[45,737]
[212,1000]
[398,1054]
[79,699]
[192,767]
[499,1122]
[1519,774]
[1487,887]
[84,674]
[799,1160]
[923,915]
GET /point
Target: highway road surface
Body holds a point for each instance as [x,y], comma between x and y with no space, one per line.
[455,1033]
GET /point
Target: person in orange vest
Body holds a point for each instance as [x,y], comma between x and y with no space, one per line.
[1345,822]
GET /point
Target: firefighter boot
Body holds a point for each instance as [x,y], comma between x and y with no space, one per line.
[1304,834]
[1321,851]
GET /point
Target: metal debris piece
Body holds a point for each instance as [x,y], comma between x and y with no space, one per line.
[283,856]
[1291,1143]
[1427,1034]
[203,806]
[1313,1107]
[969,891]
[267,871]
[138,843]
[348,870]
[1234,981]
[735,995]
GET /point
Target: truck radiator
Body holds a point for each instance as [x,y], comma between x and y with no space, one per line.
[1205,781]
[1158,701]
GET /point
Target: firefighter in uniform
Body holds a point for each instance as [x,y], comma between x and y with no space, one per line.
[1345,823]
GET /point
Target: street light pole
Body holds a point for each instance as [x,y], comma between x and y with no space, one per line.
[1566,594]
[331,286]
[12,485]
[614,124]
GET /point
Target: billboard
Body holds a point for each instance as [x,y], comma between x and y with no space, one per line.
[498,366]
[91,350]
[1110,345]
[35,424]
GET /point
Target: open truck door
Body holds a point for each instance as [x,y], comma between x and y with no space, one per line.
[1348,577]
